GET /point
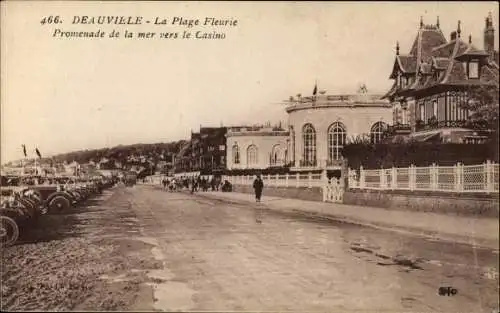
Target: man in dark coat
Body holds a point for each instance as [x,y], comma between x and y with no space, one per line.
[258,185]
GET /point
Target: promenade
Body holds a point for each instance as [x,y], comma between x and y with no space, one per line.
[467,230]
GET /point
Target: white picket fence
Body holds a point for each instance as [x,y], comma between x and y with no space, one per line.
[308,180]
[482,178]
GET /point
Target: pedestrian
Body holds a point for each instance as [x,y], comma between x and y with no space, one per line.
[258,185]
[193,185]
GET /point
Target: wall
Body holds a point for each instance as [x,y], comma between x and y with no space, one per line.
[358,120]
[441,203]
[264,146]
[445,203]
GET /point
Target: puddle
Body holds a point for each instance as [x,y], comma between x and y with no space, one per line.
[435,262]
[115,279]
[173,296]
[157,254]
[149,240]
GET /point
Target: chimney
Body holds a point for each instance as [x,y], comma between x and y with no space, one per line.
[489,35]
[453,35]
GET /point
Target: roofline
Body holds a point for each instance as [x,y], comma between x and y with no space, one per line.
[451,63]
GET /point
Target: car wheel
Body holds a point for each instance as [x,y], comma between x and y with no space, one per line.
[58,204]
[9,231]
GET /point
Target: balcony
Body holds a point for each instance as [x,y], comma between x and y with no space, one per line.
[308,163]
[433,124]
[398,129]
[334,163]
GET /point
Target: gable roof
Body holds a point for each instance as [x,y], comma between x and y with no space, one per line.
[434,61]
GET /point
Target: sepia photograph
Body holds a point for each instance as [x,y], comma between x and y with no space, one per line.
[245,156]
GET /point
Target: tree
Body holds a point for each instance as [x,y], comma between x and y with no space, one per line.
[483,102]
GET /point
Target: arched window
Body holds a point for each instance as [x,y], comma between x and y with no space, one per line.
[252,155]
[309,140]
[276,155]
[376,132]
[236,154]
[336,140]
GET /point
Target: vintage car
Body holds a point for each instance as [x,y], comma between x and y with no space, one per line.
[20,207]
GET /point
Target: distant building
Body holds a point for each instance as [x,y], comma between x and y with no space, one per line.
[204,154]
[432,81]
[256,147]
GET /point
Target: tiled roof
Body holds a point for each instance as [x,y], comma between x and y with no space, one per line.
[430,38]
[473,51]
[444,51]
[408,63]
[404,63]
[437,61]
[440,63]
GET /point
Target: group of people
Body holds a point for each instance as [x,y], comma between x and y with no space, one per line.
[203,184]
[194,184]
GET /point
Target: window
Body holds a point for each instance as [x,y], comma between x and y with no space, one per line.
[276,155]
[236,154]
[395,115]
[473,69]
[252,155]
[336,141]
[453,107]
[404,116]
[435,108]
[309,140]
[422,111]
[376,132]
[222,148]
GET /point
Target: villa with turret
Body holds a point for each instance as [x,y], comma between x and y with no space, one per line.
[432,81]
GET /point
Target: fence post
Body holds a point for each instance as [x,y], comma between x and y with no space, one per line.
[297,178]
[310,180]
[412,177]
[381,184]
[394,178]
[490,187]
[324,179]
[286,180]
[458,169]
[434,177]
[350,178]
[361,177]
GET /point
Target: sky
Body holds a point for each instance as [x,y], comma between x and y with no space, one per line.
[66,94]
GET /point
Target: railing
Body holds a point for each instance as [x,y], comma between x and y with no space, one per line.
[298,180]
[476,125]
[308,163]
[399,129]
[334,163]
[482,178]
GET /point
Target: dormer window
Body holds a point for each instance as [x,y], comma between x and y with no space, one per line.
[473,69]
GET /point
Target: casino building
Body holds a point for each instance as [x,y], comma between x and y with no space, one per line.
[322,124]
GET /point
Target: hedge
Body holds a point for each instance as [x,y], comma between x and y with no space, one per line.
[386,155]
